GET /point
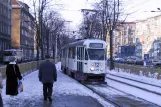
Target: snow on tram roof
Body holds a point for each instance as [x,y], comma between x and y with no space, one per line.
[84,42]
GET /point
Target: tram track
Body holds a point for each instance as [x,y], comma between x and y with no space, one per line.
[114,99]
[97,93]
[102,96]
[141,87]
[133,85]
[125,100]
[135,80]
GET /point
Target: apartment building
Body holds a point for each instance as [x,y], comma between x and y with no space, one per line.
[23,28]
[123,35]
[148,38]
[5,25]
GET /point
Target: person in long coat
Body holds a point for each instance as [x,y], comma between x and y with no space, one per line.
[12,75]
[1,86]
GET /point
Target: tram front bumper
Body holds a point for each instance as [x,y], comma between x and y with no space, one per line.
[95,77]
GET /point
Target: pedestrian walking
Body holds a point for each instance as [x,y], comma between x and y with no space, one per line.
[47,75]
[1,86]
[13,74]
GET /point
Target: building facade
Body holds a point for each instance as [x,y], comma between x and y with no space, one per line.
[123,35]
[148,38]
[23,29]
[5,25]
[126,51]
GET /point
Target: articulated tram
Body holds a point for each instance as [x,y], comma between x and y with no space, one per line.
[85,60]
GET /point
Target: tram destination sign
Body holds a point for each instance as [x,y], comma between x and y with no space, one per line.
[96,45]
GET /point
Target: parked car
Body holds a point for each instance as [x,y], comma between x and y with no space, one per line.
[156,62]
[139,62]
[157,65]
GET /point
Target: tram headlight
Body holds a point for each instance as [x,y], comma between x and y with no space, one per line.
[92,68]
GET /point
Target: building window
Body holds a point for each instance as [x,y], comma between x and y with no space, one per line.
[22,23]
[0,26]
[26,42]
[0,9]
[9,1]
[9,13]
[9,29]
[3,27]
[0,44]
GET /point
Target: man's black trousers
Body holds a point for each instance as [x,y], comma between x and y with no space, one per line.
[47,89]
[1,102]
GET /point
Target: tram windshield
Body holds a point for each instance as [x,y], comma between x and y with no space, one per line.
[96,54]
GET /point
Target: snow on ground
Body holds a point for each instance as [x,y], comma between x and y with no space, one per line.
[33,90]
[107,90]
[137,77]
[145,86]
[135,91]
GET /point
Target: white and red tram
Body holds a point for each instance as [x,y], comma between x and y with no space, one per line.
[85,60]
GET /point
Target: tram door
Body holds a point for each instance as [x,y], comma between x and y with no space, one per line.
[80,57]
[74,59]
[85,68]
[66,57]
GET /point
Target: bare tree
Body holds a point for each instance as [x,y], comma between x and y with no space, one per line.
[94,29]
[39,8]
[56,28]
[109,14]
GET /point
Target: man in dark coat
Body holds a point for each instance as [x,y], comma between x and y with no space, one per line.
[47,75]
[12,74]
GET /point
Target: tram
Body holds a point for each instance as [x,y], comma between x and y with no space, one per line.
[85,60]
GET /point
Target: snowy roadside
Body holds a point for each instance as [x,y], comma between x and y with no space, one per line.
[32,96]
[154,98]
[136,77]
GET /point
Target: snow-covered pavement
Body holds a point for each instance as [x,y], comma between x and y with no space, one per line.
[66,93]
[136,88]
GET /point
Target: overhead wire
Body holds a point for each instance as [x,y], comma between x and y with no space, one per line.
[139,4]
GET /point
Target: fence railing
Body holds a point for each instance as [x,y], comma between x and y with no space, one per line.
[138,70]
[28,67]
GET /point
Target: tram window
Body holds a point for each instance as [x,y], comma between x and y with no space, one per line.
[78,53]
[66,53]
[86,55]
[96,54]
[83,53]
[70,53]
[73,50]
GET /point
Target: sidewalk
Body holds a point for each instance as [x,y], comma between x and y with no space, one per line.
[66,93]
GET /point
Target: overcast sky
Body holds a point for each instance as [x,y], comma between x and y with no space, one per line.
[70,9]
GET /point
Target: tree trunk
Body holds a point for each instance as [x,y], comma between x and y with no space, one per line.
[42,39]
[47,39]
[111,51]
[37,43]
[53,51]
